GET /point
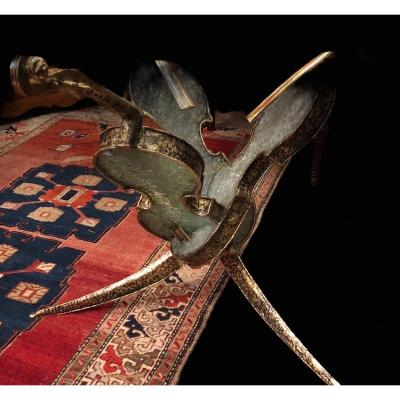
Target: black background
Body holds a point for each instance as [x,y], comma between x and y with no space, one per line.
[324,256]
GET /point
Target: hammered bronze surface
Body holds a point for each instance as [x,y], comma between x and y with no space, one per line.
[248,183]
[147,276]
[241,276]
[162,167]
[200,202]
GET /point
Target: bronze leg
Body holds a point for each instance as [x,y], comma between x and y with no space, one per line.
[260,303]
[151,274]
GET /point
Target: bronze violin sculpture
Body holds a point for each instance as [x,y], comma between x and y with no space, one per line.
[200,202]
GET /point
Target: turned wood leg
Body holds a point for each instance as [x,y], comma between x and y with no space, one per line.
[17,106]
[317,153]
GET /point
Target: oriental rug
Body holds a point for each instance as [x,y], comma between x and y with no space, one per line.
[66,231]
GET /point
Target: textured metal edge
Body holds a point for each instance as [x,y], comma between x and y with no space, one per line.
[253,293]
[146,277]
[235,214]
[154,141]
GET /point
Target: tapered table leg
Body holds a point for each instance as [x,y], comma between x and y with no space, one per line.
[264,308]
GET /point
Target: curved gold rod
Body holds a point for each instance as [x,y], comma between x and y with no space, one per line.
[238,272]
[149,275]
[293,78]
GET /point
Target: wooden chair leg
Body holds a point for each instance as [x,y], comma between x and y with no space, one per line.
[317,153]
[17,106]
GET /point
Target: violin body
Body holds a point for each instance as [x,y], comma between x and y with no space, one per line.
[164,169]
[197,200]
[228,188]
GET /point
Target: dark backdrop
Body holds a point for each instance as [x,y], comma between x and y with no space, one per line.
[324,256]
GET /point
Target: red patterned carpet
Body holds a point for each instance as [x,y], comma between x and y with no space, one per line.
[64,232]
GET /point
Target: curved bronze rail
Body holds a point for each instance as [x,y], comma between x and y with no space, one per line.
[239,273]
[151,274]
